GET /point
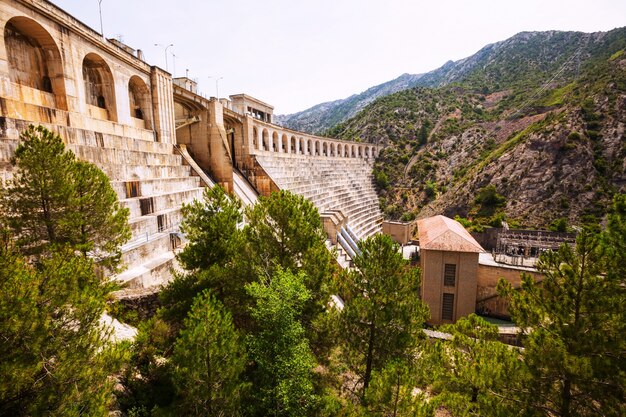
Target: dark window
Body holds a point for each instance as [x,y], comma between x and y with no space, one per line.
[146,205]
[132,189]
[449,275]
[447,307]
[162,222]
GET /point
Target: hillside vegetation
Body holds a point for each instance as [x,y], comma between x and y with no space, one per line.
[540,117]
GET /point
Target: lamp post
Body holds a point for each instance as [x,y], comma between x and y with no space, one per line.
[100,10]
[217,91]
[165,50]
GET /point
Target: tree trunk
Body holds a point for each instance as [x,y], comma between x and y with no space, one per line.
[566,397]
[369,359]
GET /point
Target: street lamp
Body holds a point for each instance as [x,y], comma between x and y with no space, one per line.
[100,10]
[217,80]
[165,48]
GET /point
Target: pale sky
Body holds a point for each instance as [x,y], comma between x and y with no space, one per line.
[295,54]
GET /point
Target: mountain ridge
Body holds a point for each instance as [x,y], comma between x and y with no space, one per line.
[541,118]
[323,116]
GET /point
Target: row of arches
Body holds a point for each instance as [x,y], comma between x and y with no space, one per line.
[264,141]
[34,61]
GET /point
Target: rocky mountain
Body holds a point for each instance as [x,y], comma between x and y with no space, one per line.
[517,51]
[539,120]
[325,115]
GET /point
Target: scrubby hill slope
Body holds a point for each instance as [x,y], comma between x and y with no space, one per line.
[540,116]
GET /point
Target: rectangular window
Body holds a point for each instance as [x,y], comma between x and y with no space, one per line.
[132,189]
[146,206]
[449,275]
[162,222]
[447,307]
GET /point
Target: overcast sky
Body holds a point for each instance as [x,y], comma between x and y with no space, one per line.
[295,54]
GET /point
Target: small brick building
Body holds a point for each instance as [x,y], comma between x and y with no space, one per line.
[449,263]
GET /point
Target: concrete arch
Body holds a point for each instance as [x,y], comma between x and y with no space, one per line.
[284,142]
[302,146]
[360,151]
[317,148]
[339,149]
[99,85]
[140,101]
[265,141]
[309,147]
[274,142]
[325,148]
[333,149]
[293,146]
[34,59]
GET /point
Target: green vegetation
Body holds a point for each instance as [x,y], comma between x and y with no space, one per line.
[55,200]
[56,357]
[385,324]
[510,106]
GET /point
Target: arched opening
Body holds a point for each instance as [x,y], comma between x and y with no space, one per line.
[266,140]
[360,151]
[325,149]
[293,145]
[274,147]
[139,99]
[255,138]
[99,87]
[317,148]
[284,144]
[34,60]
[339,150]
[309,147]
[302,146]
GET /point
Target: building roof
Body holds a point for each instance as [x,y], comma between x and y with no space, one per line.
[443,233]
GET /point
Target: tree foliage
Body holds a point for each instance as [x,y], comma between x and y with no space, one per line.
[474,373]
[574,324]
[56,200]
[209,359]
[383,313]
[55,357]
[283,375]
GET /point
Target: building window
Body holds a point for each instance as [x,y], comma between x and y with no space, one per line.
[132,189]
[146,205]
[449,275]
[447,307]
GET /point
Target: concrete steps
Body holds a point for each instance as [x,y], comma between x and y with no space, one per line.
[344,184]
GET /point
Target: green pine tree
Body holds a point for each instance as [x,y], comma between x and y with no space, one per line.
[55,355]
[54,199]
[474,373]
[574,325]
[209,359]
[383,313]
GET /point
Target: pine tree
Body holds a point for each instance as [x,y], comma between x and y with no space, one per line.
[211,259]
[574,324]
[474,373]
[56,200]
[55,356]
[283,374]
[284,230]
[209,358]
[383,313]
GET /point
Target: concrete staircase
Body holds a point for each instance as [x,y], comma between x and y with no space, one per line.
[153,182]
[344,184]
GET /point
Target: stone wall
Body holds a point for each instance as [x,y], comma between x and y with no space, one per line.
[487,299]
